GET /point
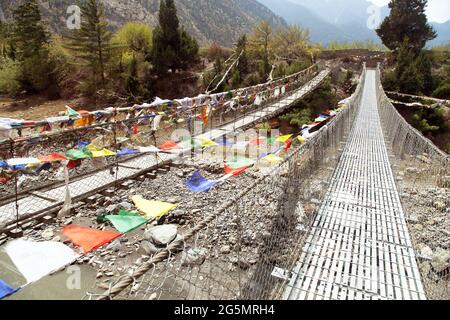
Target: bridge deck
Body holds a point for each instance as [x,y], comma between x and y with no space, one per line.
[39,202]
[359,246]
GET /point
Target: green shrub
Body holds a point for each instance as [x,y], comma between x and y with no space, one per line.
[443,92]
[9,72]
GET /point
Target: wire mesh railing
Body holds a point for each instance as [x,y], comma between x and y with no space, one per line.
[247,247]
[30,187]
[423,179]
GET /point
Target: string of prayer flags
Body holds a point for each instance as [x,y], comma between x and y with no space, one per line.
[152,209]
[89,239]
[284,139]
[36,260]
[126,221]
[6,290]
[197,183]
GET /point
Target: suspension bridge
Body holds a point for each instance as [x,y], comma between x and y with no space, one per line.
[355,245]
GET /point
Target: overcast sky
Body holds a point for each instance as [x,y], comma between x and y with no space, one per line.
[438,10]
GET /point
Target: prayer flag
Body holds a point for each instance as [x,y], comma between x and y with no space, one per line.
[207,143]
[75,154]
[126,152]
[152,209]
[36,260]
[284,139]
[271,158]
[169,145]
[197,183]
[126,221]
[103,153]
[89,239]
[54,157]
[6,290]
[240,162]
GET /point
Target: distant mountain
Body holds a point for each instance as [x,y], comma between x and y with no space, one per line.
[443,31]
[327,20]
[207,20]
[321,31]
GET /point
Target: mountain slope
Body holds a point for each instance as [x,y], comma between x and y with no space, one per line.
[320,30]
[339,20]
[207,20]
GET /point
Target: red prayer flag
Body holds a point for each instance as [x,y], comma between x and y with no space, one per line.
[288,145]
[169,145]
[52,157]
[89,239]
[235,172]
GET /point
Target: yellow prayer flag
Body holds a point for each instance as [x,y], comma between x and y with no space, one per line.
[206,143]
[301,139]
[273,158]
[152,209]
[284,139]
[103,153]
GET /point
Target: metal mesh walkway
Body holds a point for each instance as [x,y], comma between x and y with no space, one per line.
[359,246]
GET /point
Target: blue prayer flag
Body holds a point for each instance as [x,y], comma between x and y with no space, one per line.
[197,183]
[6,290]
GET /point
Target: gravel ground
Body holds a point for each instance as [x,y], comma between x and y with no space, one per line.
[427,209]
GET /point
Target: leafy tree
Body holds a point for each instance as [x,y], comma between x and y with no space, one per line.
[407,19]
[430,120]
[291,43]
[442,92]
[298,117]
[92,42]
[260,41]
[134,37]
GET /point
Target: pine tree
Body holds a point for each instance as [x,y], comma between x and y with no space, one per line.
[92,42]
[241,46]
[188,49]
[31,40]
[30,33]
[173,48]
[166,39]
[407,19]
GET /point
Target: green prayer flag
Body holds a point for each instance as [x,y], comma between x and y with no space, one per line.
[271,140]
[75,154]
[126,221]
[240,162]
